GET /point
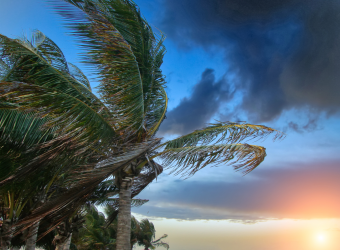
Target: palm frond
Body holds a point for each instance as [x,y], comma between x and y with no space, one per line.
[111,55]
[162,244]
[116,36]
[20,132]
[86,125]
[81,185]
[114,201]
[21,129]
[188,160]
[162,237]
[39,61]
[79,75]
[223,132]
[148,50]
[156,115]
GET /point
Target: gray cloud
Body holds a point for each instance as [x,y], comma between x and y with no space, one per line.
[195,111]
[286,54]
[311,125]
[303,191]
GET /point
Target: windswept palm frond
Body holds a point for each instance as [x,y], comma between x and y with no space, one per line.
[65,112]
[22,129]
[39,61]
[228,132]
[160,243]
[156,115]
[19,133]
[148,51]
[188,160]
[162,237]
[114,202]
[79,76]
[116,36]
[81,185]
[111,56]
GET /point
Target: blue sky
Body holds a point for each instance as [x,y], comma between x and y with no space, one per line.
[274,63]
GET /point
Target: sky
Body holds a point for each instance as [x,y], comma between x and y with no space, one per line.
[270,62]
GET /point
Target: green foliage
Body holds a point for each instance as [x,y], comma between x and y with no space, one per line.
[146,236]
[96,235]
[126,55]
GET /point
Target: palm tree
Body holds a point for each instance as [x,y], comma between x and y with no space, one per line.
[122,49]
[146,237]
[92,139]
[95,235]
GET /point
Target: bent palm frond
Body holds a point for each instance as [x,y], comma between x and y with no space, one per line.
[160,243]
[148,50]
[79,76]
[188,160]
[157,115]
[114,202]
[223,132]
[65,112]
[108,52]
[81,186]
[22,129]
[127,55]
[41,62]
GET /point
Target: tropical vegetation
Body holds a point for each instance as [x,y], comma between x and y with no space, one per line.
[99,233]
[62,146]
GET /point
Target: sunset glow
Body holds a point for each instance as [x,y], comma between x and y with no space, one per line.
[321,238]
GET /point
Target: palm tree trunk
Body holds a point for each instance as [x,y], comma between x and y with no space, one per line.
[60,246]
[64,245]
[67,243]
[32,237]
[124,216]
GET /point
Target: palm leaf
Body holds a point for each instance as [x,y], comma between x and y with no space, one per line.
[188,160]
[148,50]
[114,201]
[79,75]
[223,132]
[23,130]
[108,52]
[161,244]
[41,62]
[162,237]
[116,36]
[80,187]
[85,124]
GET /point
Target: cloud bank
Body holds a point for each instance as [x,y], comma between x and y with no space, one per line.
[285,53]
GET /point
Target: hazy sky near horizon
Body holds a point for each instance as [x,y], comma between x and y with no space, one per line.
[268,62]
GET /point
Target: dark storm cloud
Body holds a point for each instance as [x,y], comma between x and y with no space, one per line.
[286,54]
[303,191]
[195,111]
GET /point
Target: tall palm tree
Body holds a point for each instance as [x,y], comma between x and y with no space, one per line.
[122,49]
[92,139]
